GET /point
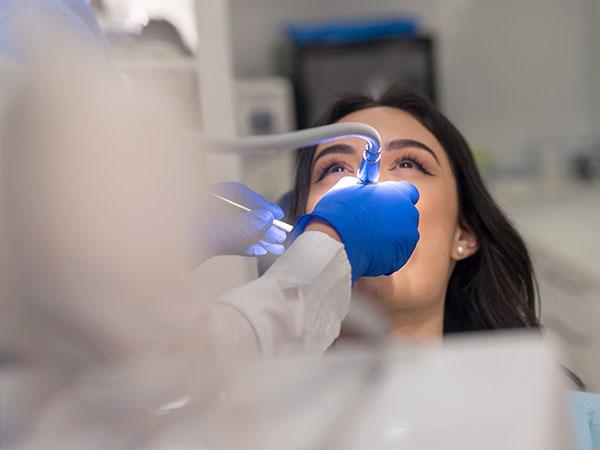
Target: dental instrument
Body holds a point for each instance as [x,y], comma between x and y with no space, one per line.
[368,172]
[278,223]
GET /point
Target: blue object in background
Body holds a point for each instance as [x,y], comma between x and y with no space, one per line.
[347,31]
[586,419]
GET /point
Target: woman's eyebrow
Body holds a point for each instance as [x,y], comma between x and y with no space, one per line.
[405,143]
[336,148]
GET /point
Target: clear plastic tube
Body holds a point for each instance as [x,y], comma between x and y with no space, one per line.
[367,173]
[299,139]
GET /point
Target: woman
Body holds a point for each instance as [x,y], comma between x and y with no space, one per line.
[470,269]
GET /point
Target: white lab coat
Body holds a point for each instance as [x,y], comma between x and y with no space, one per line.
[296,306]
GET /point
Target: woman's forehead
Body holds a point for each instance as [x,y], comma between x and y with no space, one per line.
[392,124]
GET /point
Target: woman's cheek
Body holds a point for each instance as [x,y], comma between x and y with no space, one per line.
[313,198]
[437,217]
[422,202]
[425,210]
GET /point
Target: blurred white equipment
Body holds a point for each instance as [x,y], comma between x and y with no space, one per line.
[479,393]
[264,106]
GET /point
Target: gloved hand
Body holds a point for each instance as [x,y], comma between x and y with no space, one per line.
[377,223]
[231,231]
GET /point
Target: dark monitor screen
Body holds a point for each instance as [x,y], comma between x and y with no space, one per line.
[322,71]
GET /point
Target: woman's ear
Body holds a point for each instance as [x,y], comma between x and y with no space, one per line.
[465,244]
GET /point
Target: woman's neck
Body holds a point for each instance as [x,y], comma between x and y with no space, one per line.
[419,324]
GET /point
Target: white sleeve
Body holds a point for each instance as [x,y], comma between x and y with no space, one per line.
[296,306]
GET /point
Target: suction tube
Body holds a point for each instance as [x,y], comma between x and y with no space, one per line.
[368,171]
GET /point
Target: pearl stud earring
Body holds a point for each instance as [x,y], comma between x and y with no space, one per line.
[460,250]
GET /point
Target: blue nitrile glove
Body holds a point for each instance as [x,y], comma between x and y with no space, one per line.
[376,222]
[231,231]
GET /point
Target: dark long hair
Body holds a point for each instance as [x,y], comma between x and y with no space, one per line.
[496,287]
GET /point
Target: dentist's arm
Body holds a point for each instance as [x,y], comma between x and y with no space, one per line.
[298,305]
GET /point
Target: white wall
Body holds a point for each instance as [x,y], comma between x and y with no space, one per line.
[517,74]
[514,75]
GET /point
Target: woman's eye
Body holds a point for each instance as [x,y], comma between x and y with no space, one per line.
[333,168]
[336,169]
[410,164]
[406,165]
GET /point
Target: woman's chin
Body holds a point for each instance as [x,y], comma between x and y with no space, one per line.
[395,292]
[382,288]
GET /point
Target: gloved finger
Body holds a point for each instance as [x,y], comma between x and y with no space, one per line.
[259,221]
[245,196]
[411,191]
[275,235]
[345,182]
[231,235]
[404,188]
[255,250]
[275,249]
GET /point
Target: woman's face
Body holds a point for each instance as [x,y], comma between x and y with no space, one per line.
[410,153]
